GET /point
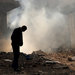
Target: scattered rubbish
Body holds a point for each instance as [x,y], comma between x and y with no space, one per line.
[71,58]
[8,60]
[35,64]
[52,62]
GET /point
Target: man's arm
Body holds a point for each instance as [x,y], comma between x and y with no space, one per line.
[21,40]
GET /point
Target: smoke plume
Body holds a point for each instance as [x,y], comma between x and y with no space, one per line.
[46,23]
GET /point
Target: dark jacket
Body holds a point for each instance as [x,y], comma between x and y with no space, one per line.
[16,37]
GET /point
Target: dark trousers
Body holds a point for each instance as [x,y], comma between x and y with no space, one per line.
[16,54]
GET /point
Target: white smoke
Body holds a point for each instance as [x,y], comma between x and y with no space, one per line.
[46,23]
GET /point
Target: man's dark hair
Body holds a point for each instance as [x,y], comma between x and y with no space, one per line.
[24,28]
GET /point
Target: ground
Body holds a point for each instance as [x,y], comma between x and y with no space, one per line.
[39,63]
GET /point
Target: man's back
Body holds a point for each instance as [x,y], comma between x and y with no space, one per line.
[17,37]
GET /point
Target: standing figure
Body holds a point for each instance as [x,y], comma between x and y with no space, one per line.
[17,41]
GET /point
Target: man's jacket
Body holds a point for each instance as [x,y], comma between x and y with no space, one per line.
[17,37]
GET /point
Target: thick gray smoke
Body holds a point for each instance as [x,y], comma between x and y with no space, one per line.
[46,22]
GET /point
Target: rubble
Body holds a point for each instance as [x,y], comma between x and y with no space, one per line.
[71,58]
[8,60]
[37,63]
[51,62]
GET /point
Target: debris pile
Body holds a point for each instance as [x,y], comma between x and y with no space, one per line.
[37,63]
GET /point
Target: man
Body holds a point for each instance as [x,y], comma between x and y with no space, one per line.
[17,41]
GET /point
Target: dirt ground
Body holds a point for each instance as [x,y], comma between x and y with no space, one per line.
[39,63]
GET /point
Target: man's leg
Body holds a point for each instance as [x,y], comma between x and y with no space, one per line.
[16,57]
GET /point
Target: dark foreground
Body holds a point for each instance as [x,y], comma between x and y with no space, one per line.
[36,63]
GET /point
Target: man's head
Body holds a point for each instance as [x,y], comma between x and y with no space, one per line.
[24,28]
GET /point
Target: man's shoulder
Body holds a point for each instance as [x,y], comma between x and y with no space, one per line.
[17,29]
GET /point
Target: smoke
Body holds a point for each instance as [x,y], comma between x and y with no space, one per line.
[5,45]
[46,23]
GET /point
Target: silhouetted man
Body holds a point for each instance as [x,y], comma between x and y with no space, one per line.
[17,41]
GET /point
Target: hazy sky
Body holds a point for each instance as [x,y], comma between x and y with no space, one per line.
[46,21]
